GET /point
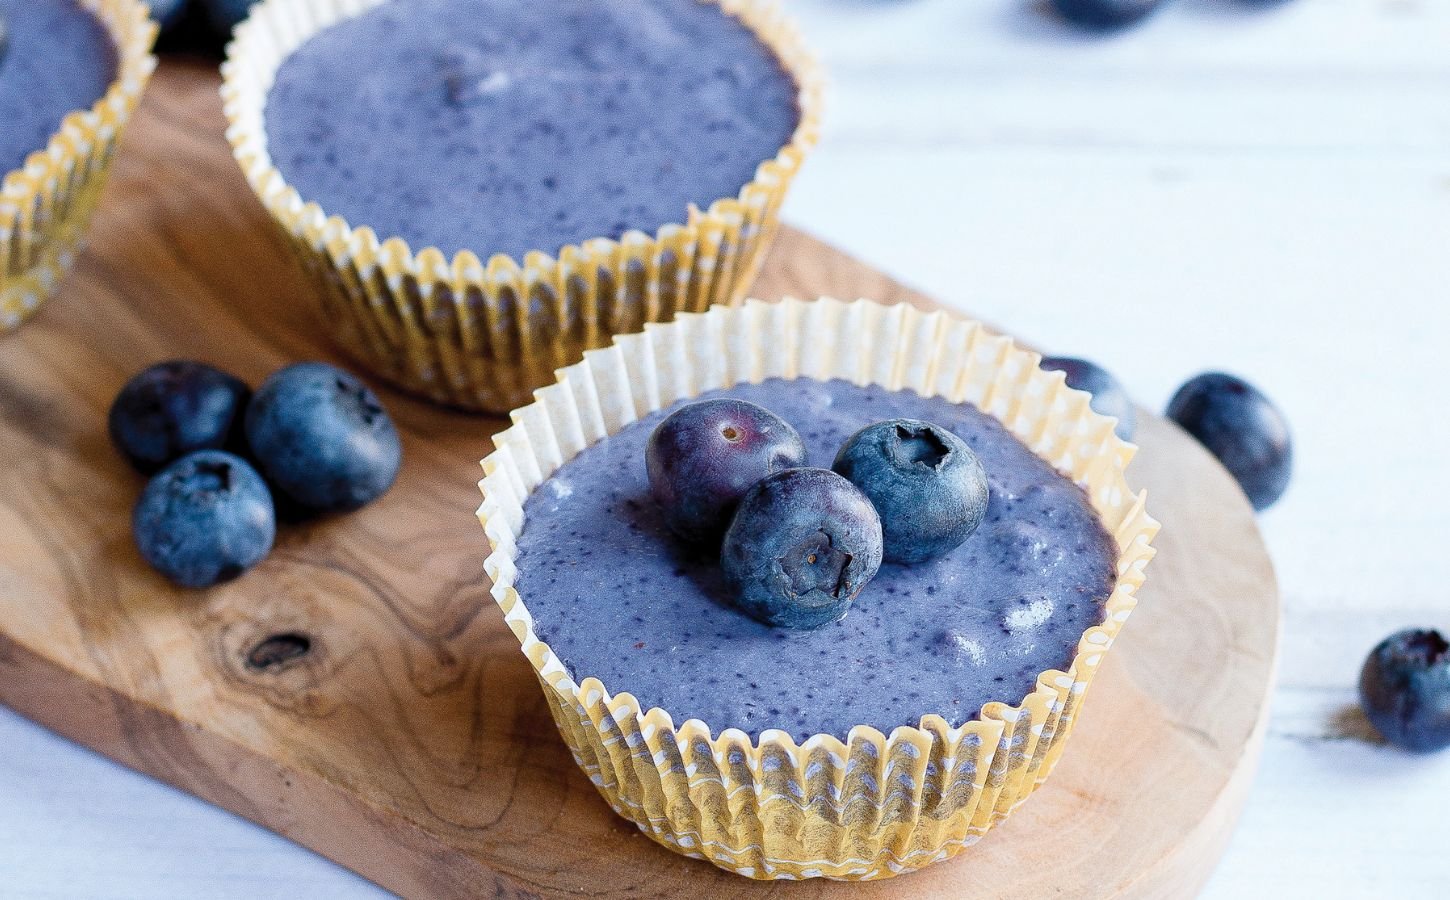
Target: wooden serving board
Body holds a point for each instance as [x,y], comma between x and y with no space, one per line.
[359,692]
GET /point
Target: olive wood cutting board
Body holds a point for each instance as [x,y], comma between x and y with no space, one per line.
[359,693]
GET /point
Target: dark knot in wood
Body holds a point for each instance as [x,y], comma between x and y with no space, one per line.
[279,652]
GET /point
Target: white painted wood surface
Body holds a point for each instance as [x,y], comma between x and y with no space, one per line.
[1259,188]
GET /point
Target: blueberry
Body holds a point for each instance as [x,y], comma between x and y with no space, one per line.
[166,12]
[204,519]
[1240,426]
[1105,15]
[322,438]
[802,545]
[1405,690]
[703,458]
[227,14]
[1109,398]
[924,481]
[173,408]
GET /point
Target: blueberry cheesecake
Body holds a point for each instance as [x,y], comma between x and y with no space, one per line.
[867,587]
[71,73]
[485,189]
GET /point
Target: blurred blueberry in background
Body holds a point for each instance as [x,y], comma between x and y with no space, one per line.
[225,14]
[166,12]
[1105,15]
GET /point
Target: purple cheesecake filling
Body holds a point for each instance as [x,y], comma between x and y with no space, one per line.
[514,125]
[59,59]
[618,599]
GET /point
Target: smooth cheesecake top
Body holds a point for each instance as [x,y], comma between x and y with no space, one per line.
[618,599]
[504,126]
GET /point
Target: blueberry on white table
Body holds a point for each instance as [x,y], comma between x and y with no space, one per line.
[204,519]
[803,544]
[1404,688]
[1243,428]
[704,456]
[1105,15]
[925,482]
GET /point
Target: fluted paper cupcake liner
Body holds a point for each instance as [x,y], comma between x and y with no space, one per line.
[483,335]
[46,204]
[874,805]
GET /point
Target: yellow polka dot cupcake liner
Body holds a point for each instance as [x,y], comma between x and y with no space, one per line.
[483,335]
[874,805]
[46,204]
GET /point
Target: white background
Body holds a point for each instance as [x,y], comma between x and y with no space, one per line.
[1259,188]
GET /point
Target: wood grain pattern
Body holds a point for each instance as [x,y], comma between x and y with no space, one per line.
[410,743]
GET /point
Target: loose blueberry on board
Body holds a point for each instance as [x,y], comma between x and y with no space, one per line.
[925,482]
[166,12]
[322,438]
[204,519]
[704,456]
[174,408]
[803,544]
[227,14]
[1109,398]
[1240,426]
[1105,15]
[1405,690]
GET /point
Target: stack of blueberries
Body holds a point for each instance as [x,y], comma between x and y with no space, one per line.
[222,461]
[797,544]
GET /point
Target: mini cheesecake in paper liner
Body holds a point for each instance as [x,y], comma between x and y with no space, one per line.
[875,805]
[46,204]
[483,335]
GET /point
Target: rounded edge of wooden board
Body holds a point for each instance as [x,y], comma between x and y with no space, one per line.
[1188,868]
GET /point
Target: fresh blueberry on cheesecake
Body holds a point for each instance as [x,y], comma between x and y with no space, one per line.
[802,545]
[925,482]
[703,458]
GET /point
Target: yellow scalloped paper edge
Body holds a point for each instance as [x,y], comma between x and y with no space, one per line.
[876,805]
[46,204]
[484,335]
